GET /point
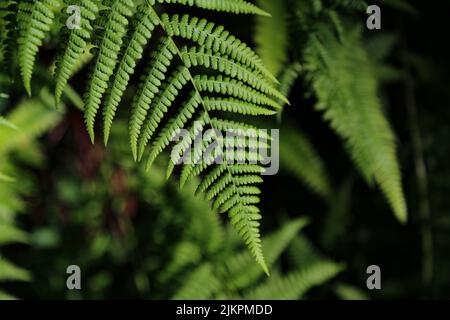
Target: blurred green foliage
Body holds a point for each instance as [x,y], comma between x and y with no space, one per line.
[135,234]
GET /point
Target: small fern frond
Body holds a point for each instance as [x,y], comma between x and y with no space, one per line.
[75,45]
[107,58]
[148,89]
[143,24]
[215,38]
[34,20]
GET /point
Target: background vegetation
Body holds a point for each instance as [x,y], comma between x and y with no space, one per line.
[363,177]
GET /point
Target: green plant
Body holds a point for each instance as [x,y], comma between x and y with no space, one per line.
[329,58]
[240,84]
[232,275]
[18,132]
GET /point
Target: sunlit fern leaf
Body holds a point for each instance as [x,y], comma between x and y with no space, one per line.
[294,285]
[107,57]
[34,20]
[142,25]
[298,156]
[351,105]
[271,35]
[75,45]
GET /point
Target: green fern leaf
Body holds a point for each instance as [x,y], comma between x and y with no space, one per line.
[107,58]
[353,108]
[143,24]
[34,21]
[76,44]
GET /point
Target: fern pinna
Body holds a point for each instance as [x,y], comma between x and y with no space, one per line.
[192,54]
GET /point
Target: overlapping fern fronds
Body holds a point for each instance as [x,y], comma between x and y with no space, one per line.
[194,58]
[240,279]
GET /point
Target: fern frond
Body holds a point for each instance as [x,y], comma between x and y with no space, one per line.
[107,58]
[235,81]
[215,44]
[143,25]
[76,44]
[354,110]
[214,38]
[148,89]
[34,21]
[195,57]
[234,88]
